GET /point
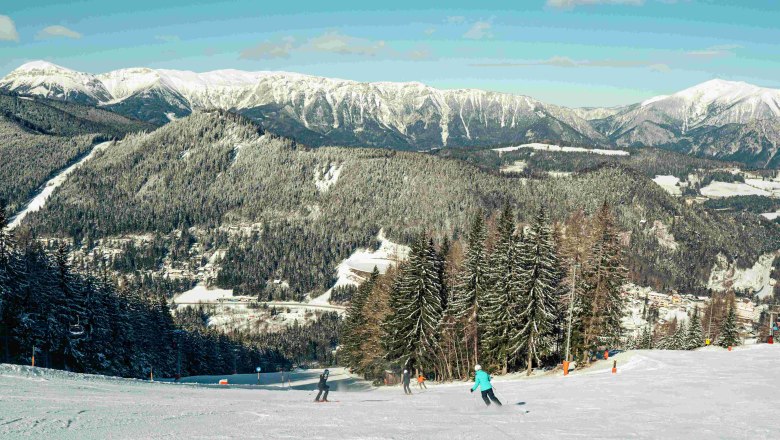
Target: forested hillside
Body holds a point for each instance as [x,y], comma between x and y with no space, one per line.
[282,211]
[38,137]
[80,319]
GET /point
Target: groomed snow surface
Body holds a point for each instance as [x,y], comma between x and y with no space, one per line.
[707,394]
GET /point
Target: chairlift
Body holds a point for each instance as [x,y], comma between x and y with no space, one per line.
[77,329]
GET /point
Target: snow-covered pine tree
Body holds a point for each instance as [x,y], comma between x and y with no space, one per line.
[502,296]
[678,339]
[412,327]
[695,337]
[537,286]
[604,277]
[472,285]
[352,330]
[729,334]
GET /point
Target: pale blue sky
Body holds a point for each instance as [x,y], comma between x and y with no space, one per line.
[569,52]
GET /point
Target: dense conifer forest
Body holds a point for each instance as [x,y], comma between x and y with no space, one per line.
[39,137]
[231,186]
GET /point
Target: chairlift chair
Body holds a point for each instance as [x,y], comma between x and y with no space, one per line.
[77,329]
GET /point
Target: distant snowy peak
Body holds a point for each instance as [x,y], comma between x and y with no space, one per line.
[49,80]
[718,102]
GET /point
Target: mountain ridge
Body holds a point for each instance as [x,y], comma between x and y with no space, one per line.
[319,111]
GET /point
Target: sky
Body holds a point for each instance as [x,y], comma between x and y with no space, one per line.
[569,52]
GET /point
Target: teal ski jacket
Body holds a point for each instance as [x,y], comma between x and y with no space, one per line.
[482,380]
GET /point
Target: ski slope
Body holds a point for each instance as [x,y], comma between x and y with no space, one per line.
[707,394]
[55,182]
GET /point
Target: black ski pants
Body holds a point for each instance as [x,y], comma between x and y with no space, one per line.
[407,390]
[488,395]
[324,389]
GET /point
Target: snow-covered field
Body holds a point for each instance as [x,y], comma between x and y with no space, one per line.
[718,189]
[705,394]
[670,184]
[557,148]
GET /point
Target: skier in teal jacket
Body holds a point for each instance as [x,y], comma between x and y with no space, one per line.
[482,381]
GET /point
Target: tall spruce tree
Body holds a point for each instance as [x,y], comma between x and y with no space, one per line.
[502,296]
[537,286]
[472,285]
[695,337]
[415,299]
[729,334]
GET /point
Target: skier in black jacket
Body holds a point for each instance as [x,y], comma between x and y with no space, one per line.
[406,380]
[323,387]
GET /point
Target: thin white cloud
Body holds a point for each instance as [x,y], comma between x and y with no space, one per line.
[479,30]
[168,38]
[8,29]
[419,54]
[566,62]
[57,31]
[455,19]
[571,4]
[270,49]
[429,31]
[333,42]
[336,42]
[714,51]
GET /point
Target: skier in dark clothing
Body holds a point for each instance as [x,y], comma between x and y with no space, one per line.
[323,387]
[406,380]
[482,381]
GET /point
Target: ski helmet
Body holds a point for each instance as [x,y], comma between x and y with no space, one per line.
[406,371]
[477,367]
[326,372]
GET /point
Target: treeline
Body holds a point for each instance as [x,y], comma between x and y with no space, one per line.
[86,322]
[500,296]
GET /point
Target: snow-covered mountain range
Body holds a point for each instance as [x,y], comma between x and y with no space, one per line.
[723,119]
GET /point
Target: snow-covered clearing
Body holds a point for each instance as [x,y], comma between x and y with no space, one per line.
[202,294]
[40,199]
[353,270]
[670,184]
[323,181]
[515,167]
[718,189]
[771,215]
[704,394]
[557,148]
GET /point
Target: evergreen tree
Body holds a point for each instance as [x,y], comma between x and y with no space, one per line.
[502,297]
[472,285]
[695,336]
[416,311]
[538,286]
[729,334]
[679,338]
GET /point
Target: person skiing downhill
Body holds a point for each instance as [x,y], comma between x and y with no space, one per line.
[323,387]
[421,381]
[482,381]
[406,380]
